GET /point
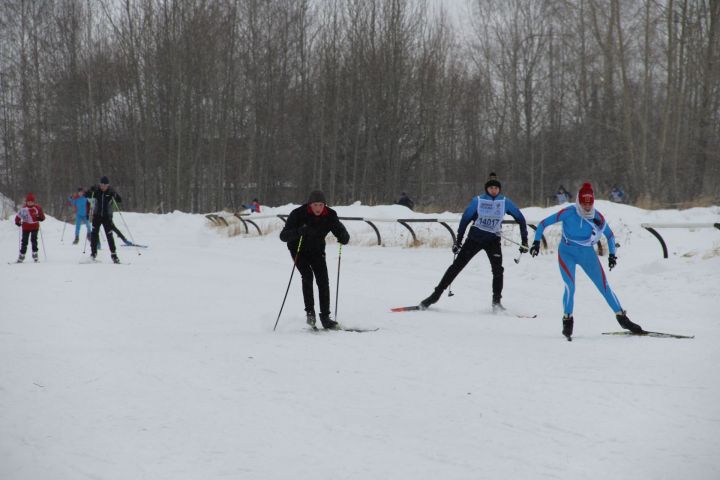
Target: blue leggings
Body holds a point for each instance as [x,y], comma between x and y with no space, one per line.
[79,220]
[571,255]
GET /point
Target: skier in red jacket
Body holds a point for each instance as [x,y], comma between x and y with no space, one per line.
[28,218]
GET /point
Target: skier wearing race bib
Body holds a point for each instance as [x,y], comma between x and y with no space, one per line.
[486,213]
[28,219]
[582,227]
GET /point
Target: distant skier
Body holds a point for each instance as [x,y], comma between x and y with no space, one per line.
[486,213]
[105,197]
[28,219]
[582,227]
[311,222]
[81,205]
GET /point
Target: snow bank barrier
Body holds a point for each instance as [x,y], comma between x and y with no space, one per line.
[651,227]
[405,222]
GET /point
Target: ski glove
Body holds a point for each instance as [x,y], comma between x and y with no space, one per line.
[304,230]
[535,249]
[457,246]
[612,261]
[524,247]
[344,238]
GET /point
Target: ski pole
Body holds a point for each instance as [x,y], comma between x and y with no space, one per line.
[297,254]
[62,217]
[85,243]
[450,292]
[126,226]
[91,206]
[42,240]
[523,248]
[337,284]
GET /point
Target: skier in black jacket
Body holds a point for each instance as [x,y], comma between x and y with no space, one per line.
[104,197]
[312,222]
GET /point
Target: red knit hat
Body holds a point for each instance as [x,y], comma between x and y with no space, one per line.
[30,197]
[585,194]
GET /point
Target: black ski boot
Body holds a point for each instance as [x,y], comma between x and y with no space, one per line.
[21,257]
[328,323]
[75,242]
[625,323]
[433,298]
[568,323]
[497,306]
[310,319]
[115,258]
[35,257]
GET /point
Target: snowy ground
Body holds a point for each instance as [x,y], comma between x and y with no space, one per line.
[169,369]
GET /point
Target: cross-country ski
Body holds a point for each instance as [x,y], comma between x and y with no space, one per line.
[650,334]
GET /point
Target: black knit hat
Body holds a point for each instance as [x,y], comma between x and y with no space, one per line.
[492,181]
[104,180]
[316,196]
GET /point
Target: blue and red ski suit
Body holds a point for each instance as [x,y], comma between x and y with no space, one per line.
[579,235]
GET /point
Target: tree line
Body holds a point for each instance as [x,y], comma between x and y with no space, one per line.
[200,105]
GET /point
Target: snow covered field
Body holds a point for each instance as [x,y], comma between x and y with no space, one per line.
[168,368]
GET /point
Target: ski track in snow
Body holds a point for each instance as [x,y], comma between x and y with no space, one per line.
[169,368]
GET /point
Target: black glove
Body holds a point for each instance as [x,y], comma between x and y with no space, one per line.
[457,246]
[304,230]
[344,239]
[535,249]
[524,247]
[612,261]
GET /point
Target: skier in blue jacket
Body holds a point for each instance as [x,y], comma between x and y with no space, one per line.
[582,227]
[80,202]
[486,213]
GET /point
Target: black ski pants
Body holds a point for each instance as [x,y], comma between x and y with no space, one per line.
[32,236]
[311,264]
[107,225]
[470,248]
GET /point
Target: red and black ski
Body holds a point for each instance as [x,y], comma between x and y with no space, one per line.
[406,309]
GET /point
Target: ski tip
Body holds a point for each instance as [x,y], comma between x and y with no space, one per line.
[405,309]
[359,330]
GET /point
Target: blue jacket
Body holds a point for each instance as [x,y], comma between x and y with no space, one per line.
[577,230]
[80,203]
[471,215]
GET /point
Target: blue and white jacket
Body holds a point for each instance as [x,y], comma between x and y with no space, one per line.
[578,230]
[486,214]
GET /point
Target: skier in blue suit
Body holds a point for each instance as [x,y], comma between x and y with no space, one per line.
[80,202]
[582,227]
[486,213]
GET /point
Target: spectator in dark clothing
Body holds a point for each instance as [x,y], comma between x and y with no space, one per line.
[617,195]
[305,232]
[562,196]
[405,201]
